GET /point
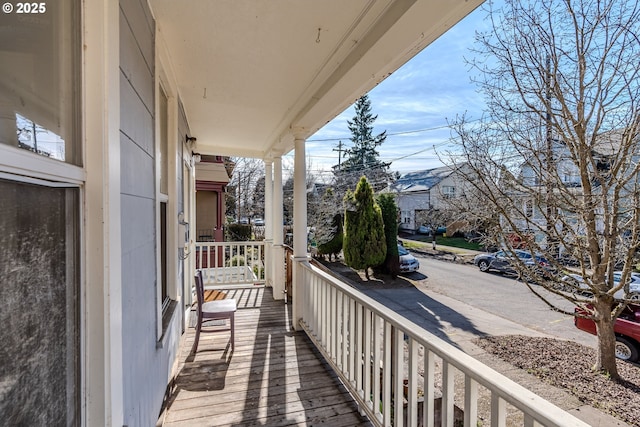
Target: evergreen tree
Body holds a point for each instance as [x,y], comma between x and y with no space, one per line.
[331,244]
[364,242]
[363,157]
[389,210]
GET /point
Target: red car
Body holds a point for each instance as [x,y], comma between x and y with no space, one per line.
[626,328]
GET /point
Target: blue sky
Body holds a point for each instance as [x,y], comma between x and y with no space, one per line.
[413,105]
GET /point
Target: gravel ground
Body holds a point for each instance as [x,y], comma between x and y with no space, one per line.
[568,365]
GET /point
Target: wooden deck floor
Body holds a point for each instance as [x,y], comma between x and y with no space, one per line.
[275,377]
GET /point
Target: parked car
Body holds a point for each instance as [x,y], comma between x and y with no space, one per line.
[259,222]
[408,263]
[244,220]
[502,261]
[626,328]
[425,229]
[577,283]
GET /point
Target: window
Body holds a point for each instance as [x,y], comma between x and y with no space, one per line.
[38,101]
[40,218]
[528,208]
[163,165]
[406,217]
[39,286]
[164,142]
[448,192]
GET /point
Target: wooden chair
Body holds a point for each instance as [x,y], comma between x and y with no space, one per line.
[213,310]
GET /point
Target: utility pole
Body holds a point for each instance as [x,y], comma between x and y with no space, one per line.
[340,150]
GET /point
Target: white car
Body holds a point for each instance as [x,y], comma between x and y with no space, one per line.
[408,263]
[259,222]
[634,284]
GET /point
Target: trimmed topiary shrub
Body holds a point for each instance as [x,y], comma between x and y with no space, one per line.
[364,242]
[389,210]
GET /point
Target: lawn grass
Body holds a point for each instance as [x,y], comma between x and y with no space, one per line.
[458,242]
[422,241]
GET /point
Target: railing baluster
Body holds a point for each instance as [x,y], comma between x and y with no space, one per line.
[386,372]
[428,409]
[367,357]
[314,306]
[412,401]
[321,319]
[359,349]
[352,340]
[330,321]
[318,328]
[398,380]
[335,324]
[470,401]
[377,359]
[447,393]
[345,332]
[498,411]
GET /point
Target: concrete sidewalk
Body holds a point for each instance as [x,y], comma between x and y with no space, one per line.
[459,324]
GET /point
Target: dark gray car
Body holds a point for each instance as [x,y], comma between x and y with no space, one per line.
[502,261]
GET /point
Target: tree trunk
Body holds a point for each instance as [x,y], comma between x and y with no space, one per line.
[606,359]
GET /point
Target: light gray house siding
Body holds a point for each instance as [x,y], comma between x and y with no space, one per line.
[146,359]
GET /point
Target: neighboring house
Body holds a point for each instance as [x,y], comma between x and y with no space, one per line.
[533,181]
[212,177]
[422,191]
[95,273]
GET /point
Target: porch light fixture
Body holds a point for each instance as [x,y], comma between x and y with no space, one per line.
[197,157]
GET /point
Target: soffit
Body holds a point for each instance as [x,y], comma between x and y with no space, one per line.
[252,75]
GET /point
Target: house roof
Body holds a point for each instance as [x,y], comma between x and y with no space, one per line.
[423,180]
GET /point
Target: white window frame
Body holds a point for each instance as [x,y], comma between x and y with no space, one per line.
[448,191]
[166,82]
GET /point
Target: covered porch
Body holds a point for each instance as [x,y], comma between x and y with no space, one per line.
[257,79]
[353,362]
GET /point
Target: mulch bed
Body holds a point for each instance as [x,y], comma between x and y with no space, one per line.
[569,365]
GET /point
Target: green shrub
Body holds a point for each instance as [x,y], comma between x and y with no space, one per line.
[238,233]
[235,261]
[364,242]
[389,210]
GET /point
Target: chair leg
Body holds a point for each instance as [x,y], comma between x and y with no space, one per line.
[233,334]
[195,343]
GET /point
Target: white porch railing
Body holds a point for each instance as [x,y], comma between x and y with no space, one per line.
[231,263]
[374,350]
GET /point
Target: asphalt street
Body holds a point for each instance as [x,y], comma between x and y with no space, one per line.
[457,302]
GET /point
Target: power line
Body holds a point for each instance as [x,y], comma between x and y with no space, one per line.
[389,134]
[406,132]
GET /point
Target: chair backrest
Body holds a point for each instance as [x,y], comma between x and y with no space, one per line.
[199,289]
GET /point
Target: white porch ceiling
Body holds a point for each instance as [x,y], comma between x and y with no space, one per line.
[252,74]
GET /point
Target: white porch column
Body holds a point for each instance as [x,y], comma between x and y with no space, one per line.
[299,227]
[102,378]
[268,219]
[278,238]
